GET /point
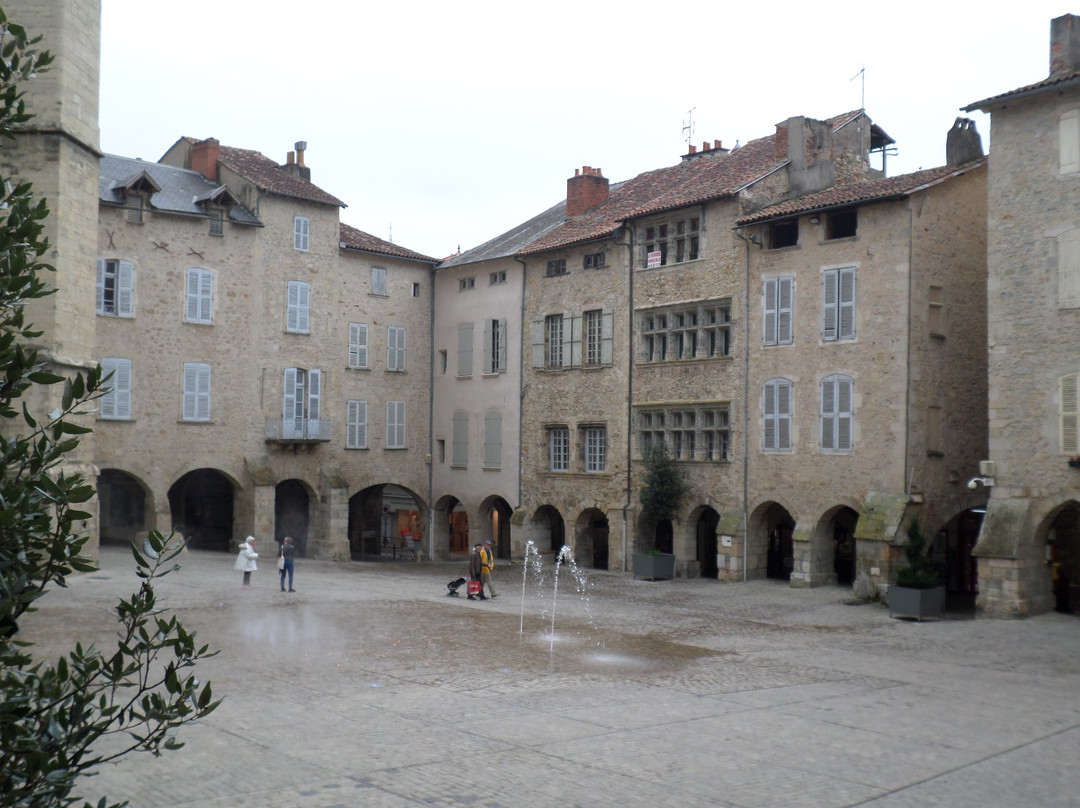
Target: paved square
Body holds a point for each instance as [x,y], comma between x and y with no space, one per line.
[370,687]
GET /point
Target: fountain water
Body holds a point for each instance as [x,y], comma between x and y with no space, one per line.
[533,564]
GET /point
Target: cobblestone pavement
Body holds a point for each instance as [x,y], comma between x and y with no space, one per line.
[370,687]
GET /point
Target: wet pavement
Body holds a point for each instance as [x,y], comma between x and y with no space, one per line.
[371,687]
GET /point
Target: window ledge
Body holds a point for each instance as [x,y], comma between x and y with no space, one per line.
[356,448]
[357,367]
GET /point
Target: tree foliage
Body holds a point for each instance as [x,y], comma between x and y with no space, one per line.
[52,715]
[663,486]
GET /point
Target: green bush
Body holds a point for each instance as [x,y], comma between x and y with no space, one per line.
[920,573]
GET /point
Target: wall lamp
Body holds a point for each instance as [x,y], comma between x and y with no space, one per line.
[975,482]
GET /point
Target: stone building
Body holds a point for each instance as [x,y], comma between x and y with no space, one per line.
[272,365]
[58,152]
[865,363]
[1029,547]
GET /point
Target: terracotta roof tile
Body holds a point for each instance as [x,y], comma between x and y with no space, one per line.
[860,192]
[269,176]
[353,239]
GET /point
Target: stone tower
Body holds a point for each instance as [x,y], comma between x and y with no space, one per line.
[58,152]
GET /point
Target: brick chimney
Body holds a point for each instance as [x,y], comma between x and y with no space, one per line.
[204,157]
[1065,44]
[585,191]
[715,150]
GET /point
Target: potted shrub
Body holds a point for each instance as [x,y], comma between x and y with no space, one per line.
[918,592]
[662,489]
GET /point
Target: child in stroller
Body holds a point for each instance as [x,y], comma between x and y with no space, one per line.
[453,586]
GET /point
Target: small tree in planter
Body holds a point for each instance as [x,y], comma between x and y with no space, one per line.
[918,591]
[663,488]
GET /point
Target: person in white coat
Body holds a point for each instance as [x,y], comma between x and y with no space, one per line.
[245,560]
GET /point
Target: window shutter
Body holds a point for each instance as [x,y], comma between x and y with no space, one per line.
[395,424]
[488,356]
[828,414]
[196,406]
[314,394]
[575,340]
[125,289]
[288,407]
[465,349]
[206,296]
[538,352]
[292,306]
[304,305]
[357,425]
[843,414]
[783,415]
[122,388]
[1069,141]
[460,449]
[1070,414]
[503,347]
[607,336]
[192,310]
[100,285]
[493,440]
[769,308]
[769,408]
[395,348]
[829,306]
[301,233]
[783,310]
[847,303]
[358,345]
[1069,269]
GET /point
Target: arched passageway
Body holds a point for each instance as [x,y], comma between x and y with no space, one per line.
[705,529]
[843,546]
[202,509]
[122,507]
[384,519]
[1063,539]
[951,552]
[591,542]
[499,513]
[549,520]
[778,527]
[292,514]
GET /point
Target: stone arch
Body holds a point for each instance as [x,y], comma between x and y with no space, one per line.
[1059,532]
[701,527]
[380,516]
[592,533]
[293,503]
[952,550]
[550,529]
[203,507]
[770,546]
[125,507]
[495,524]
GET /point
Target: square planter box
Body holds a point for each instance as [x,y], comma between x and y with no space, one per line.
[654,567]
[916,603]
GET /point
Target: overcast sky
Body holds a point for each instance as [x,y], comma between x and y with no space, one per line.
[445,124]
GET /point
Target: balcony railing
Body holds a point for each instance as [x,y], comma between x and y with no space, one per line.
[298,430]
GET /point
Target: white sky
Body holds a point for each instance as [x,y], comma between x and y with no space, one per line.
[452,122]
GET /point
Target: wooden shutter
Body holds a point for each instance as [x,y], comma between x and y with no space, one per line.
[769,311]
[1070,414]
[101,286]
[395,424]
[125,289]
[829,306]
[493,440]
[783,414]
[1069,141]
[500,364]
[196,406]
[828,414]
[358,348]
[539,357]
[465,349]
[395,348]
[1069,269]
[607,336]
[768,407]
[314,398]
[784,306]
[489,356]
[575,340]
[846,283]
[843,414]
[460,449]
[357,425]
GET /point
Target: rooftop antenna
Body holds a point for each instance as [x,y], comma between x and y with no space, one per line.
[862,99]
[688,126]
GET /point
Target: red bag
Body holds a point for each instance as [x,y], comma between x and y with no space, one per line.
[474,587]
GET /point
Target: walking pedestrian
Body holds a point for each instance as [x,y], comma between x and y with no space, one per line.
[476,571]
[487,565]
[245,560]
[288,552]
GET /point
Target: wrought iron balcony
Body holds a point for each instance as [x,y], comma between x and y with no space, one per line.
[298,430]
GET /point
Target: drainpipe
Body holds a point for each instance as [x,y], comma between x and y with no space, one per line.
[907,350]
[746,402]
[629,391]
[431,422]
[521,385]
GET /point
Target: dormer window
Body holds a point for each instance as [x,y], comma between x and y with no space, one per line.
[783,234]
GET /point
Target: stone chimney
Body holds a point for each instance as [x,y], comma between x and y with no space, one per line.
[1065,44]
[962,144]
[294,162]
[204,158]
[585,191]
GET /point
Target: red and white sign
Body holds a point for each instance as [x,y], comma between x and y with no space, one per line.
[654,259]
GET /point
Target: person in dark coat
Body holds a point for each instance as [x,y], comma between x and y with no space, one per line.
[288,553]
[476,565]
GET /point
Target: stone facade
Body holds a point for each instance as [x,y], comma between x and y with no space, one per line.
[1029,548]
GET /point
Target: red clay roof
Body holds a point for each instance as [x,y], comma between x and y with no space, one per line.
[353,239]
[860,192]
[691,182]
[270,177]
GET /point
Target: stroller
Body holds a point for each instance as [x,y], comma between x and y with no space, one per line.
[453,586]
